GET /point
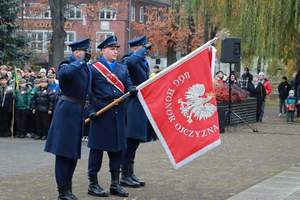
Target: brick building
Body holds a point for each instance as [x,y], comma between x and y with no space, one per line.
[94,20]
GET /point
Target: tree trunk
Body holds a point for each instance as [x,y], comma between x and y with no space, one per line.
[206,27]
[298,60]
[57,43]
[192,35]
[171,56]
[258,65]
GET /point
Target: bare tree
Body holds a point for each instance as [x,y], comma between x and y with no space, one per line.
[56,51]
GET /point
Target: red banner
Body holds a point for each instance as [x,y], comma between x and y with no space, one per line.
[181,106]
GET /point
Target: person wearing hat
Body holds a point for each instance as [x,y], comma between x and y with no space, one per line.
[42,73]
[32,118]
[42,107]
[22,106]
[53,88]
[6,106]
[263,79]
[267,85]
[154,71]
[290,104]
[64,136]
[52,83]
[107,131]
[259,92]
[3,70]
[138,127]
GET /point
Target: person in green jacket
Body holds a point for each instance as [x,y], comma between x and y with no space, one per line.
[22,105]
[32,116]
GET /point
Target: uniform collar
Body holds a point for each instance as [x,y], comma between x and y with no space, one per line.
[110,66]
[72,58]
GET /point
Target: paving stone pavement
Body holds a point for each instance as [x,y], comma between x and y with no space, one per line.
[243,160]
[283,186]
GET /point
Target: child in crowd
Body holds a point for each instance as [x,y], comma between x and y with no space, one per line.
[42,106]
[22,106]
[290,104]
[36,85]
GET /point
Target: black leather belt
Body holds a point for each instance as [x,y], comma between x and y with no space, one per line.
[72,99]
[104,100]
[98,100]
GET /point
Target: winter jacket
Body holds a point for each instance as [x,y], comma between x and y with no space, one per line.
[267,86]
[42,101]
[260,92]
[290,103]
[22,99]
[283,89]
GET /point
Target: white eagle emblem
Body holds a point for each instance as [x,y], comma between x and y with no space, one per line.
[196,104]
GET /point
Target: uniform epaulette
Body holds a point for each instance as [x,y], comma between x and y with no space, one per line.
[125,56]
[64,62]
[120,62]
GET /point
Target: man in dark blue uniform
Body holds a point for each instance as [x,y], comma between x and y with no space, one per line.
[64,136]
[138,127]
[110,80]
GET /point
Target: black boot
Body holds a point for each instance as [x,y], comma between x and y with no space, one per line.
[126,179]
[133,177]
[64,194]
[115,187]
[95,189]
[69,190]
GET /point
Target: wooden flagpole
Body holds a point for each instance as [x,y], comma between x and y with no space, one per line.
[109,106]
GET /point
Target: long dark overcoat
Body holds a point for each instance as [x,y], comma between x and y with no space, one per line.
[107,132]
[65,133]
[138,126]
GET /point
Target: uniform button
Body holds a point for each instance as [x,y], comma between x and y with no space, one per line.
[116,112]
[114,91]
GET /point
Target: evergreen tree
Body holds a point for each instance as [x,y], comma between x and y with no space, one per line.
[12,43]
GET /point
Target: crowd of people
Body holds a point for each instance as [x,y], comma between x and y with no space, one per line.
[28,98]
[259,86]
[289,97]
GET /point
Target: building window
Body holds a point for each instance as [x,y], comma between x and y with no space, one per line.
[47,13]
[104,25]
[47,37]
[32,10]
[36,11]
[40,40]
[73,12]
[36,40]
[142,14]
[132,13]
[108,13]
[70,38]
[157,61]
[100,36]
